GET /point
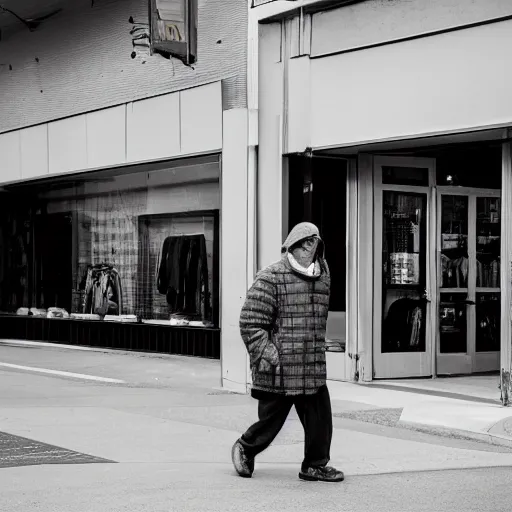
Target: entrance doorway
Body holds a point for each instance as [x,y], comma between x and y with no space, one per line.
[317,193]
[468,280]
[436,272]
[403,267]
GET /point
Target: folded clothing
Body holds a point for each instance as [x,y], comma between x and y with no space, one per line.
[57,313]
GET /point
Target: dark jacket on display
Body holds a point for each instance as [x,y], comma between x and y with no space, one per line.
[283,322]
[103,291]
[183,274]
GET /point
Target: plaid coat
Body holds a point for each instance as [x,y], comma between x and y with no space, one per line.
[283,324]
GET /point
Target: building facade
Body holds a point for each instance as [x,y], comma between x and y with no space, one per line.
[388,124]
[155,153]
[123,137]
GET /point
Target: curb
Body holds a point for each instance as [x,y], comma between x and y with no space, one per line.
[484,437]
[104,350]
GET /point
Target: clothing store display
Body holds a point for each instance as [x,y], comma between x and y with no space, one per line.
[57,313]
[156,322]
[455,271]
[183,275]
[120,318]
[197,323]
[103,291]
[15,283]
[399,231]
[488,274]
[84,316]
[403,324]
[179,320]
[416,326]
[488,323]
[37,312]
[404,268]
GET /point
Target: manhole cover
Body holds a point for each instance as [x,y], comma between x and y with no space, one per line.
[18,451]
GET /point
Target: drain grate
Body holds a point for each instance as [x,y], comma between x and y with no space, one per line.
[16,451]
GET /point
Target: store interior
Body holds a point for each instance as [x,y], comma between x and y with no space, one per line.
[137,245]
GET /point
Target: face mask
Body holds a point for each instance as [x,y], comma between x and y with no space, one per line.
[305,253]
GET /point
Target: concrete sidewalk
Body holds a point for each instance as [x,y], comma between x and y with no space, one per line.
[429,405]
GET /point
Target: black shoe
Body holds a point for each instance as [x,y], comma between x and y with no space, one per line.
[322,474]
[244,465]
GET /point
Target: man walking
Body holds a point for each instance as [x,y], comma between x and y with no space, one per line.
[283,323]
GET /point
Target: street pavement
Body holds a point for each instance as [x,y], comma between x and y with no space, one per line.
[160,440]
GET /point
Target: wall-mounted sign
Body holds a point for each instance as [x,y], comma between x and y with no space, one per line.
[173,28]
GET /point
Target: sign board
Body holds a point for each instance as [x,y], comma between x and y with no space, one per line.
[173,27]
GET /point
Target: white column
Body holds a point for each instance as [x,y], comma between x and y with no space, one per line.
[270,150]
[235,244]
[353,268]
[365,268]
[506,273]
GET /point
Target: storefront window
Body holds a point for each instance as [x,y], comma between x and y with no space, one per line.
[488,230]
[404,272]
[453,323]
[454,242]
[488,314]
[138,247]
[179,251]
[488,317]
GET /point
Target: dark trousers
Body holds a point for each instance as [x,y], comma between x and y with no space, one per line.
[315,414]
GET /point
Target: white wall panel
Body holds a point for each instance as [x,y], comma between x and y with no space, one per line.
[34,151]
[10,156]
[443,83]
[270,151]
[234,247]
[153,128]
[201,118]
[370,22]
[146,130]
[67,145]
[299,105]
[106,137]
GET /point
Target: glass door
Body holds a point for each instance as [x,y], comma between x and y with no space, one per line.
[402,308]
[468,338]
[455,290]
[488,291]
